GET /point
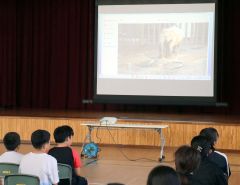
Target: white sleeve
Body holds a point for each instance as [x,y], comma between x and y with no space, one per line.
[54,171]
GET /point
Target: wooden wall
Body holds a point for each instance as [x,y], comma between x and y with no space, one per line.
[177,134]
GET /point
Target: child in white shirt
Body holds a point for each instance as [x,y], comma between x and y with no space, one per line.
[38,162]
[11,142]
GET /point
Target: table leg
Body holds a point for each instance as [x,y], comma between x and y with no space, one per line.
[162,140]
[87,138]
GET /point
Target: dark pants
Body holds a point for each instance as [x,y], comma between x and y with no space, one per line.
[80,181]
[75,181]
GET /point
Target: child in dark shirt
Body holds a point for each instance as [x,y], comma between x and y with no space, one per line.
[220,159]
[207,173]
[67,155]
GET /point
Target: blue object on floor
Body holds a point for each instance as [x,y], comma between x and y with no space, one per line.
[91,150]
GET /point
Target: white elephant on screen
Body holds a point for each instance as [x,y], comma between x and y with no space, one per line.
[169,41]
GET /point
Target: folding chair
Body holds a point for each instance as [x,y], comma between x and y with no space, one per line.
[8,169]
[21,179]
[65,172]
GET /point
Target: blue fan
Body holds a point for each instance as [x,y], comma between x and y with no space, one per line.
[91,150]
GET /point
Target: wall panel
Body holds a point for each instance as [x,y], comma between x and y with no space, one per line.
[177,134]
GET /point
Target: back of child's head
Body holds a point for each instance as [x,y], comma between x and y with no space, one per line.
[11,141]
[62,133]
[163,175]
[211,134]
[202,145]
[187,160]
[39,138]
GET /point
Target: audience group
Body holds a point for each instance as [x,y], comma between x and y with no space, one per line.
[196,164]
[42,161]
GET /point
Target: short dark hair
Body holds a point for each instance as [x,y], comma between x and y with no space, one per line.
[11,141]
[62,133]
[211,134]
[187,159]
[39,138]
[201,144]
[163,175]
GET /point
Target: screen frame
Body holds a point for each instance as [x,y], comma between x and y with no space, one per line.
[156,100]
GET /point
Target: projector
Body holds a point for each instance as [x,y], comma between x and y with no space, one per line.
[108,120]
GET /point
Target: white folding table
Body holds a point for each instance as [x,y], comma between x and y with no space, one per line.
[158,128]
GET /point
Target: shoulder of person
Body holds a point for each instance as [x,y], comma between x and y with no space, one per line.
[50,157]
[220,153]
[20,154]
[51,160]
[28,154]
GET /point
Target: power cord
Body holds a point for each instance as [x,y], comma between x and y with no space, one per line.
[126,157]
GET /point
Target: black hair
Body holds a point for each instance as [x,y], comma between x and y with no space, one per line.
[62,133]
[163,175]
[211,134]
[11,141]
[39,138]
[187,160]
[201,144]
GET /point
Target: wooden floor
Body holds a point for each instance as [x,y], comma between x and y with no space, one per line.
[114,164]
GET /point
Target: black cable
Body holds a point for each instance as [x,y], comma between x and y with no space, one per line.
[90,162]
[126,157]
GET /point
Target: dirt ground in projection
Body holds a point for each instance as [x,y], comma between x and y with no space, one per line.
[148,63]
[138,58]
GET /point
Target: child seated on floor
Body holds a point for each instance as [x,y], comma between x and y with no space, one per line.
[38,162]
[11,142]
[67,155]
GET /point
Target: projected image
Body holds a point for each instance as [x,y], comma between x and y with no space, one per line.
[163,49]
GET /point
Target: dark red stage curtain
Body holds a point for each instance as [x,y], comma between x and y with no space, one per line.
[46,56]
[55,53]
[233,46]
[7,53]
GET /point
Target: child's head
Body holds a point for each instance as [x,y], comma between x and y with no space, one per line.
[163,175]
[63,134]
[211,134]
[187,160]
[11,141]
[40,139]
[201,144]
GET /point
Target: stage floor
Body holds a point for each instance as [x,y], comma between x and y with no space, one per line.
[125,115]
[113,164]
